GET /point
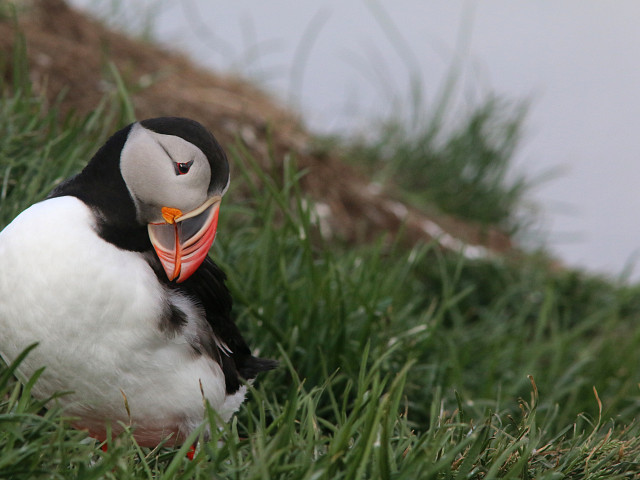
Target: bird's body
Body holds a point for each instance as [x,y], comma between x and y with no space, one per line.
[130,344]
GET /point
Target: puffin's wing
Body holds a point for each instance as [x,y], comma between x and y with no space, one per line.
[207,285]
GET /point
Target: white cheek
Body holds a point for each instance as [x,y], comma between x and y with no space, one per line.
[148,163]
[187,191]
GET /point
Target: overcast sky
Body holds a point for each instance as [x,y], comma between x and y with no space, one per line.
[342,63]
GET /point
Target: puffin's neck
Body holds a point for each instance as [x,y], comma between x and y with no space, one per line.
[101,187]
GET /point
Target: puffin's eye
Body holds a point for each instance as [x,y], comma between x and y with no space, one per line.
[183,168]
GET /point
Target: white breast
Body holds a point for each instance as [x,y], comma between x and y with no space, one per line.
[94,309]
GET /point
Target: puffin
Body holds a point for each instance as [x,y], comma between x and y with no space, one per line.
[110,277]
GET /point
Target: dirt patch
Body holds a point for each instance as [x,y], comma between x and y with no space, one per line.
[69,55]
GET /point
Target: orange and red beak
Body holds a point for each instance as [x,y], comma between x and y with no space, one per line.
[182,241]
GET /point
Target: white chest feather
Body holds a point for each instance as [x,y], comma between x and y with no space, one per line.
[95,311]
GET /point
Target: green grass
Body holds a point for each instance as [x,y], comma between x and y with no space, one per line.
[395,363]
[461,168]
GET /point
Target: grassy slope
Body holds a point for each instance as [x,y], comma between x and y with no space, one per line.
[460,169]
[395,364]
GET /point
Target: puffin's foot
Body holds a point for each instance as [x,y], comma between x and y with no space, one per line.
[192,451]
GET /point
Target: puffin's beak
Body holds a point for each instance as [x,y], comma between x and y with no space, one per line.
[183,240]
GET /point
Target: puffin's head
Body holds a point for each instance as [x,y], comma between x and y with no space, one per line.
[176,173]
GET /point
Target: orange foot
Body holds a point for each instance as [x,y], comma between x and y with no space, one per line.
[191,452]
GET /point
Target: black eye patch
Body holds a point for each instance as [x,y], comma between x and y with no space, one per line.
[182,168]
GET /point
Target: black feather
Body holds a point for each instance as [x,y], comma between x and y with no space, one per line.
[207,285]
